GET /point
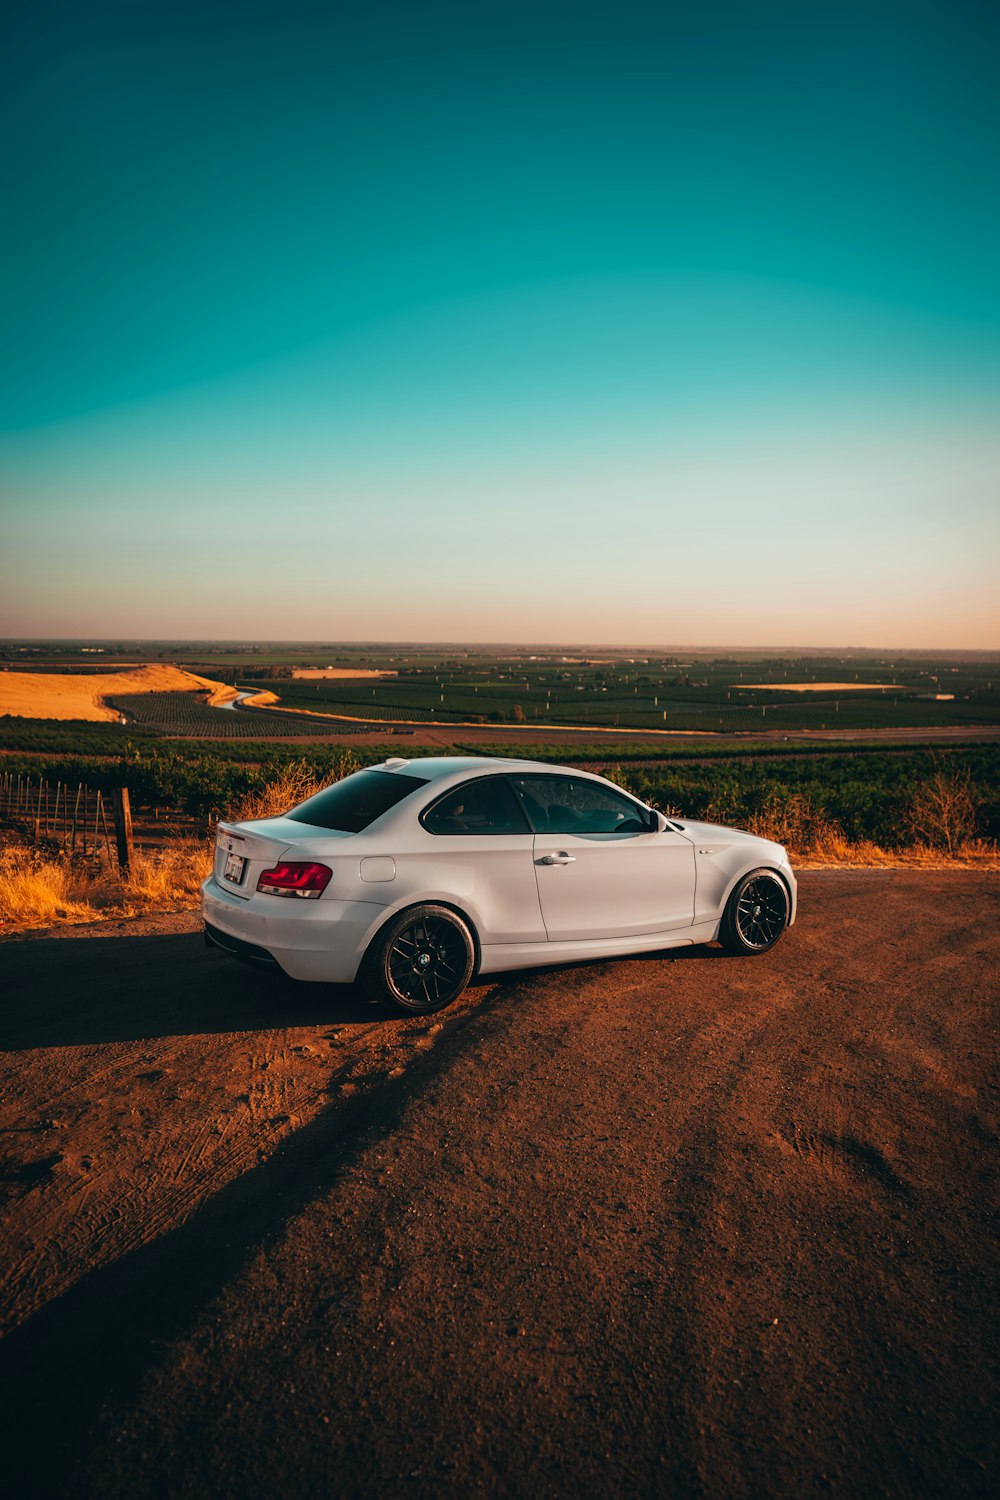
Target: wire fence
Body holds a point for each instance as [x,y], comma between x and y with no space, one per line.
[75,818]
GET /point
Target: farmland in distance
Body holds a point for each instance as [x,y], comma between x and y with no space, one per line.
[707,696]
[444,689]
[187,715]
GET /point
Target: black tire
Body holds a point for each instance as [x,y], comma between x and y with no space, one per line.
[756,913]
[422,961]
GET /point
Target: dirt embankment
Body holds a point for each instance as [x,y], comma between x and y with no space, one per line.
[49,695]
[683,1225]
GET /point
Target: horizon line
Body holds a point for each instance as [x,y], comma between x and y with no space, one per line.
[576,646]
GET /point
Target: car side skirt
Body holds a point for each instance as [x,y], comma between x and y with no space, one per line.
[496,958]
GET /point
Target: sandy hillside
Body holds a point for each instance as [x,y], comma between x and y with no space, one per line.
[48,695]
[339,672]
[820,687]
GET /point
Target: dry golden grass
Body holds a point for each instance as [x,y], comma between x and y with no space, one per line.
[973,854]
[41,890]
[36,891]
[49,695]
[168,876]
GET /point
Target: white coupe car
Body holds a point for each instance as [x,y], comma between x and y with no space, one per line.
[418,874]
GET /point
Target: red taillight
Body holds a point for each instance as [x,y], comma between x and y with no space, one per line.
[294,879]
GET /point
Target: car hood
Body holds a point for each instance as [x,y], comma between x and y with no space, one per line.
[717,833]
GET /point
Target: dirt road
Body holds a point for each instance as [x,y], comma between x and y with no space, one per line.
[682,1225]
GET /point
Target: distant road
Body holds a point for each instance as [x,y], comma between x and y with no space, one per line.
[372,731]
[231,705]
[680,1225]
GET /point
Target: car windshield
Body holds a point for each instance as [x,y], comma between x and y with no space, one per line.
[350,805]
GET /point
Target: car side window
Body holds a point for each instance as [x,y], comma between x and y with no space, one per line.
[484,806]
[562,804]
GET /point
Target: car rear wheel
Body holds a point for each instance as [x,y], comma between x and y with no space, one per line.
[756,913]
[423,960]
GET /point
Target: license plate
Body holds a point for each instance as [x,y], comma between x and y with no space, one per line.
[234,868]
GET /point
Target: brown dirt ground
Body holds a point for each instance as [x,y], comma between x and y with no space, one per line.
[677,1225]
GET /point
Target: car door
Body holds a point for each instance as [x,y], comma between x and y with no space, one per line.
[480,850]
[601,871]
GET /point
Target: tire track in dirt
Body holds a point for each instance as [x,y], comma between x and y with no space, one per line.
[122,1311]
[831,1095]
[541,1246]
[136,1134]
[725,1050]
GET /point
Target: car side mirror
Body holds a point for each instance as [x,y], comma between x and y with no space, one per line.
[660,824]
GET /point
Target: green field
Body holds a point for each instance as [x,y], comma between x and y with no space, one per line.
[723,693]
[185,714]
[712,695]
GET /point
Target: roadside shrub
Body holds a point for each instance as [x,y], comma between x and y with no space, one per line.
[630,781]
[792,820]
[293,785]
[942,811]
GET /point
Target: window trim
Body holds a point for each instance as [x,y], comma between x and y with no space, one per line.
[526,832]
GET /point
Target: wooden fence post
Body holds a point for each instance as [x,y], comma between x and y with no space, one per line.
[76,810]
[123,828]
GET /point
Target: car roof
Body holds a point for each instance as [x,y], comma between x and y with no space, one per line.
[431,768]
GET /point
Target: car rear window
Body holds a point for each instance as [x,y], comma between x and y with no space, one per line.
[352,804]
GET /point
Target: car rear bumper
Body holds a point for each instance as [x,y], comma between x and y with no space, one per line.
[322,940]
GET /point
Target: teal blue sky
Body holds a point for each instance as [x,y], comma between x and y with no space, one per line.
[502,322]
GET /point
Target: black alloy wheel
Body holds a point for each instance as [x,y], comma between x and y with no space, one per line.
[424,960]
[756,914]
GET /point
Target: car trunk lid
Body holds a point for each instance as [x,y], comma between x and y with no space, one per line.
[241,855]
[243,850]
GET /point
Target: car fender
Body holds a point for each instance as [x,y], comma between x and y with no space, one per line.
[388,914]
[720,866]
[739,866]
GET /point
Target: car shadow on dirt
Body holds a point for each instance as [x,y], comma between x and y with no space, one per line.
[64,1368]
[60,994]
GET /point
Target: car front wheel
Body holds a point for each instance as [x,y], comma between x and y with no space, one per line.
[756,913]
[423,960]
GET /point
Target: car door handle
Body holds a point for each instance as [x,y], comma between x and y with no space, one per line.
[557,859]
